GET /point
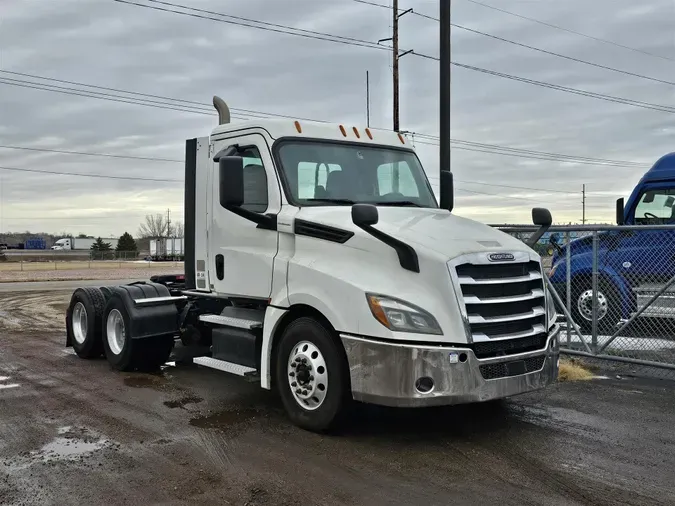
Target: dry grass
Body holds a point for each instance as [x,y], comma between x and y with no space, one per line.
[573,370]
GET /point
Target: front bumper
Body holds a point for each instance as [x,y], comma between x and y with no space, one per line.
[388,373]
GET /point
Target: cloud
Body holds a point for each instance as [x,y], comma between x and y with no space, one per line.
[121,46]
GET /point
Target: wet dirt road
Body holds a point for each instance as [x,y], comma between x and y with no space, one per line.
[75,432]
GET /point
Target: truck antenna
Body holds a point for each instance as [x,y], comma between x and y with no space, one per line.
[223,110]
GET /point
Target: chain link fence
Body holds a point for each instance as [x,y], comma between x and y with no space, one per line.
[614,288]
[59,260]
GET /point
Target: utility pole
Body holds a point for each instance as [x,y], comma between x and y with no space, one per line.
[394,43]
[447,197]
[395,58]
[583,204]
[168,223]
[367,100]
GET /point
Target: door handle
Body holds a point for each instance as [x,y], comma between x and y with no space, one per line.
[220,267]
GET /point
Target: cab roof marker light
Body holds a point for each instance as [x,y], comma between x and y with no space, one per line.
[298,127]
[344,132]
[356,132]
[370,136]
[401,139]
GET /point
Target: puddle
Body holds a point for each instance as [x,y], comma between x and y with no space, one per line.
[224,419]
[154,381]
[182,402]
[63,448]
[70,444]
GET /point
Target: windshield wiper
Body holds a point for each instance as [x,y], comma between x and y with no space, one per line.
[398,203]
[333,201]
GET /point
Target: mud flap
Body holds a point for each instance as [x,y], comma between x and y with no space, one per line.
[151,320]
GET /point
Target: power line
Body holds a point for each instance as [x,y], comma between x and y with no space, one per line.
[563,158]
[497,195]
[534,152]
[574,91]
[568,30]
[102,176]
[205,106]
[89,94]
[372,45]
[533,48]
[247,23]
[85,153]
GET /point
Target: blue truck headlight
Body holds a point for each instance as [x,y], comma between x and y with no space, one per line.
[400,316]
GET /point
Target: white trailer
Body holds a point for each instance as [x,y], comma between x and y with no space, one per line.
[171,247]
[80,244]
[319,262]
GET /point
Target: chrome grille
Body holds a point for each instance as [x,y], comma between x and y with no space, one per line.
[506,369]
[502,300]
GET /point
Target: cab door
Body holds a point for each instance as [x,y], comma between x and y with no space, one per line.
[240,253]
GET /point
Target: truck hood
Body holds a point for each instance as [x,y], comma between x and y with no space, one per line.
[434,229]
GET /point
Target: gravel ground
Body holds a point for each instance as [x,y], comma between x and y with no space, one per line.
[141,272]
[74,432]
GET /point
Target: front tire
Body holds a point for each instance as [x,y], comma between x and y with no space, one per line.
[312,375]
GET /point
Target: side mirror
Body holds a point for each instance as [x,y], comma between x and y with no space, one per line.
[447,187]
[231,181]
[619,212]
[364,215]
[541,217]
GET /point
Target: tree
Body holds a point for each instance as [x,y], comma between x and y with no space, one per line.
[177,230]
[126,246]
[101,250]
[154,226]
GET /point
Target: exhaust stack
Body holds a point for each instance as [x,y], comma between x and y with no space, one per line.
[223,110]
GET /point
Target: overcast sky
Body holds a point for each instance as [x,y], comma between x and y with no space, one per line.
[111,44]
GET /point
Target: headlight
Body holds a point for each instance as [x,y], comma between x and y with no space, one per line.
[550,308]
[401,316]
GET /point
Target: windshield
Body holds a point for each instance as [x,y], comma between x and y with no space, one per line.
[324,173]
[656,207]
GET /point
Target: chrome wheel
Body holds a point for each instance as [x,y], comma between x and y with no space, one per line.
[307,375]
[585,305]
[79,323]
[115,331]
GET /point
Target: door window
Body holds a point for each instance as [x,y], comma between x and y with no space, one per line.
[255,181]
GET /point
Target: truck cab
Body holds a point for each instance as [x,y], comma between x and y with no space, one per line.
[632,264]
[62,244]
[319,262]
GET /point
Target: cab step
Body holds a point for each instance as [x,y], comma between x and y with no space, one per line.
[222,365]
[236,317]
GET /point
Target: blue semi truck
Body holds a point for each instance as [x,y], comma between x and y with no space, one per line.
[633,265]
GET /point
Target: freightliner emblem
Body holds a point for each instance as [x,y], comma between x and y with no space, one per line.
[501,257]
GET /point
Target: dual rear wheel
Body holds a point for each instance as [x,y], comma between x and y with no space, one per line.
[96,326]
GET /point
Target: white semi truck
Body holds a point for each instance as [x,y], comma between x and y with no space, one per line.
[319,263]
[79,244]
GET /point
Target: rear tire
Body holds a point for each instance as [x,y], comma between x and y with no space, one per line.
[83,322]
[127,354]
[325,395]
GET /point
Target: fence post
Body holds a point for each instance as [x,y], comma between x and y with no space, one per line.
[594,327]
[568,285]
